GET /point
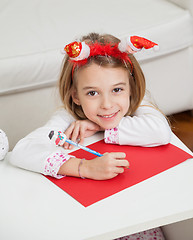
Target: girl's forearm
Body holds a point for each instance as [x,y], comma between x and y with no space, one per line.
[70,168]
[100,168]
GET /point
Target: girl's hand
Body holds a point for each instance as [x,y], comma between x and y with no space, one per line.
[106,167]
[79,130]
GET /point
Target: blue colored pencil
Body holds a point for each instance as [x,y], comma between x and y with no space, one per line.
[84,148]
[59,138]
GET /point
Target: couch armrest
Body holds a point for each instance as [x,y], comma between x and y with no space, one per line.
[186,4]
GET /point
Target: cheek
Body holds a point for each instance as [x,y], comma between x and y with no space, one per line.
[126,106]
[89,109]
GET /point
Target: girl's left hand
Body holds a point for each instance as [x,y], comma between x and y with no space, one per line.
[80,129]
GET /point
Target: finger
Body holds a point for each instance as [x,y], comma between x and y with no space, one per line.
[71,133]
[122,163]
[69,130]
[66,145]
[75,134]
[68,134]
[119,170]
[105,153]
[81,135]
[119,155]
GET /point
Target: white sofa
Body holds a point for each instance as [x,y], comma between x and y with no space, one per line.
[34,31]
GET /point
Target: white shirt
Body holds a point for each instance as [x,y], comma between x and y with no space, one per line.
[147,127]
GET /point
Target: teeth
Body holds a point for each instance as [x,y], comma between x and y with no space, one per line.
[108,116]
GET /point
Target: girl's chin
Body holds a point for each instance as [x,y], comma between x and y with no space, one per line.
[108,126]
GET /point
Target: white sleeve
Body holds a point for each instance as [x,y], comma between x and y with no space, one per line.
[34,151]
[148,127]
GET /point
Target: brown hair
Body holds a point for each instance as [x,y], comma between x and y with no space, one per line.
[67,84]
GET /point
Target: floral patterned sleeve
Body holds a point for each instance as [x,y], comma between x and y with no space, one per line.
[111,136]
[152,234]
[54,162]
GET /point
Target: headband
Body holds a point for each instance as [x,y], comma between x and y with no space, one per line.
[79,52]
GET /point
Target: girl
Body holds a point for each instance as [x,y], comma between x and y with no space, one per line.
[102,88]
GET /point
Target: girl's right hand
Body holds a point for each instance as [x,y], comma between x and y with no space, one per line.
[79,130]
[106,167]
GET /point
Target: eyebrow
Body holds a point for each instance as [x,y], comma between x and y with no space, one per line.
[120,83]
[114,85]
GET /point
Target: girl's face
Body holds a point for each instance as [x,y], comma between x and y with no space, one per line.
[103,93]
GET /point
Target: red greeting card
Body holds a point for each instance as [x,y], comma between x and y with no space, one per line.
[144,163]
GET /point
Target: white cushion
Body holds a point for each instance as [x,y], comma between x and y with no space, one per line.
[33,32]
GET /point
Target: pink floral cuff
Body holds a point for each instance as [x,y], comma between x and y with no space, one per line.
[54,162]
[152,234]
[111,136]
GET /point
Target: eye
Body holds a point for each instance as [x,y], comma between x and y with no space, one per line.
[117,90]
[92,93]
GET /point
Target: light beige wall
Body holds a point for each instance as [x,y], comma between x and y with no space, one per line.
[179,231]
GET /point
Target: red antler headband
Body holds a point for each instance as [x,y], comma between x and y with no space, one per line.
[79,52]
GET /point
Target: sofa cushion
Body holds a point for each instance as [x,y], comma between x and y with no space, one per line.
[33,32]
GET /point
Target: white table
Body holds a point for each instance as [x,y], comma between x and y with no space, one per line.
[33,208]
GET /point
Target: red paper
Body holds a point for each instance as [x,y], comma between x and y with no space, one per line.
[144,163]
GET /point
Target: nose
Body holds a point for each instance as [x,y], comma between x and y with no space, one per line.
[106,102]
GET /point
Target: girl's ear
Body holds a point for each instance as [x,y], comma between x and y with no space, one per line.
[75,97]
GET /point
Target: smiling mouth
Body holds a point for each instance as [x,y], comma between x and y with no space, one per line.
[109,116]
